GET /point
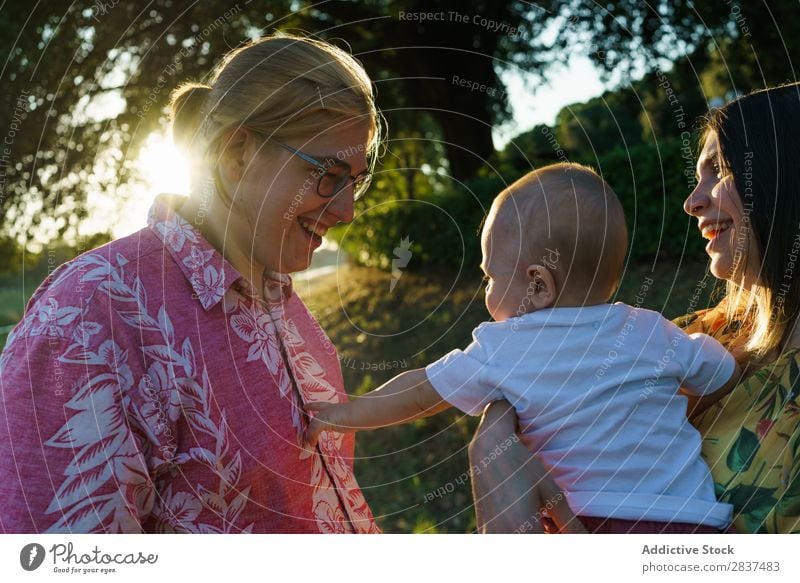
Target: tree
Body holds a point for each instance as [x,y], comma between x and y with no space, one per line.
[757,43]
[86,81]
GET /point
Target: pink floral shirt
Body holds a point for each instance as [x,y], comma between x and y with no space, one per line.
[148,389]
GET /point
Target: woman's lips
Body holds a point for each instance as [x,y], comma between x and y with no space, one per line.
[312,231]
[712,230]
[312,226]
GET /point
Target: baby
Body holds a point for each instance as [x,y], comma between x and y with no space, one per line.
[595,385]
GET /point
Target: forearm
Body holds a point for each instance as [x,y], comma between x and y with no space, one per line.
[405,398]
[494,492]
[699,403]
[512,491]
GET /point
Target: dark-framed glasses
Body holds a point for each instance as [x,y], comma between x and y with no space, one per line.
[334,175]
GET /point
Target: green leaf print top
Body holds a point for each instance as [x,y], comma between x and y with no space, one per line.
[751,438]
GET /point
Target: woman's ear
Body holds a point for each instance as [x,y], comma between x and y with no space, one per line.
[233,157]
[541,286]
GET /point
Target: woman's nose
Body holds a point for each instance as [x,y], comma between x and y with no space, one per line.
[342,205]
[696,202]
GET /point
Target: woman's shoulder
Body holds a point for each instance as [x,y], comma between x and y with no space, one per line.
[713,321]
[89,269]
[697,321]
[67,294]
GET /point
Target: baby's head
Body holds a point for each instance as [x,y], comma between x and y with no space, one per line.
[554,238]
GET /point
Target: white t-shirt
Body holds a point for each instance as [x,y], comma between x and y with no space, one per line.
[595,390]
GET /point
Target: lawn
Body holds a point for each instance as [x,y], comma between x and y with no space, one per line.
[414,476]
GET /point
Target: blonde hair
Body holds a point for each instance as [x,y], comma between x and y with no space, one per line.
[577,213]
[283,87]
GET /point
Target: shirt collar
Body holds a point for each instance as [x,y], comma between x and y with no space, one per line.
[206,269]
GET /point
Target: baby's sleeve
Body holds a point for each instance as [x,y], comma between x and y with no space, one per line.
[705,363]
[459,376]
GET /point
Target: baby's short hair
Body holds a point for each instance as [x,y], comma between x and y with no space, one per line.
[568,211]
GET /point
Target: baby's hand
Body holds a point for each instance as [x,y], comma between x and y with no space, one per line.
[329,417]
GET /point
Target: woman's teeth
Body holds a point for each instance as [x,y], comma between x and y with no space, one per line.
[711,230]
[312,227]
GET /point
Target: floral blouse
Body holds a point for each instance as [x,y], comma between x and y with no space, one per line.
[751,438]
[149,389]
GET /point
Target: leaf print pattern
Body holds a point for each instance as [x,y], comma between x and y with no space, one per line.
[176,231]
[99,429]
[744,449]
[314,386]
[212,286]
[51,319]
[151,434]
[751,437]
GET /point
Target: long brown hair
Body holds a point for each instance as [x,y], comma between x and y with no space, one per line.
[759,144]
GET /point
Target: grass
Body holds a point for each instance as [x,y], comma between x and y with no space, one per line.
[17,288]
[381,332]
[15,291]
[414,476]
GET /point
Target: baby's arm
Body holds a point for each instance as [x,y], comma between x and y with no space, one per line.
[405,398]
[699,403]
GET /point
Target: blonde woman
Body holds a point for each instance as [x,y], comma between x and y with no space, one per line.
[157,384]
[747,204]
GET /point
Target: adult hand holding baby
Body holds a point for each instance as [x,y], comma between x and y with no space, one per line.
[514,493]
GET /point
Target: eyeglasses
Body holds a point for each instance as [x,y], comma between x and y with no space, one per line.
[334,175]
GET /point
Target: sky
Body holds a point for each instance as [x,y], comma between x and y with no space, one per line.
[535,102]
[532,103]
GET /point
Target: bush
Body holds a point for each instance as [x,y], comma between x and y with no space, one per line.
[10,255]
[652,184]
[442,228]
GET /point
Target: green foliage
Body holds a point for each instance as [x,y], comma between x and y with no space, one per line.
[600,124]
[442,228]
[652,181]
[85,82]
[414,476]
[10,255]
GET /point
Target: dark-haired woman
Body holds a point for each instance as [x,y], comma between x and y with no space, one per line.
[747,202]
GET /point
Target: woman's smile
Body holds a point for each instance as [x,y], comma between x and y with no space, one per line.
[712,229]
[716,204]
[312,230]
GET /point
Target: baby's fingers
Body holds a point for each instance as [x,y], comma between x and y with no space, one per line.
[315,427]
[317,406]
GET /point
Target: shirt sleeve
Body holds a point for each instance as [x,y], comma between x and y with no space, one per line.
[704,362]
[76,460]
[459,376]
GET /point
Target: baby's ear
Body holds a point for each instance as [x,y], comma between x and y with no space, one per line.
[541,286]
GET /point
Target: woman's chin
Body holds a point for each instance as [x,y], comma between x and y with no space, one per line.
[720,268]
[294,266]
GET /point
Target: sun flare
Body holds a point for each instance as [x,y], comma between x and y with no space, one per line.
[164,169]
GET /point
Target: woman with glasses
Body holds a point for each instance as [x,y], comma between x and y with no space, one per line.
[157,384]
